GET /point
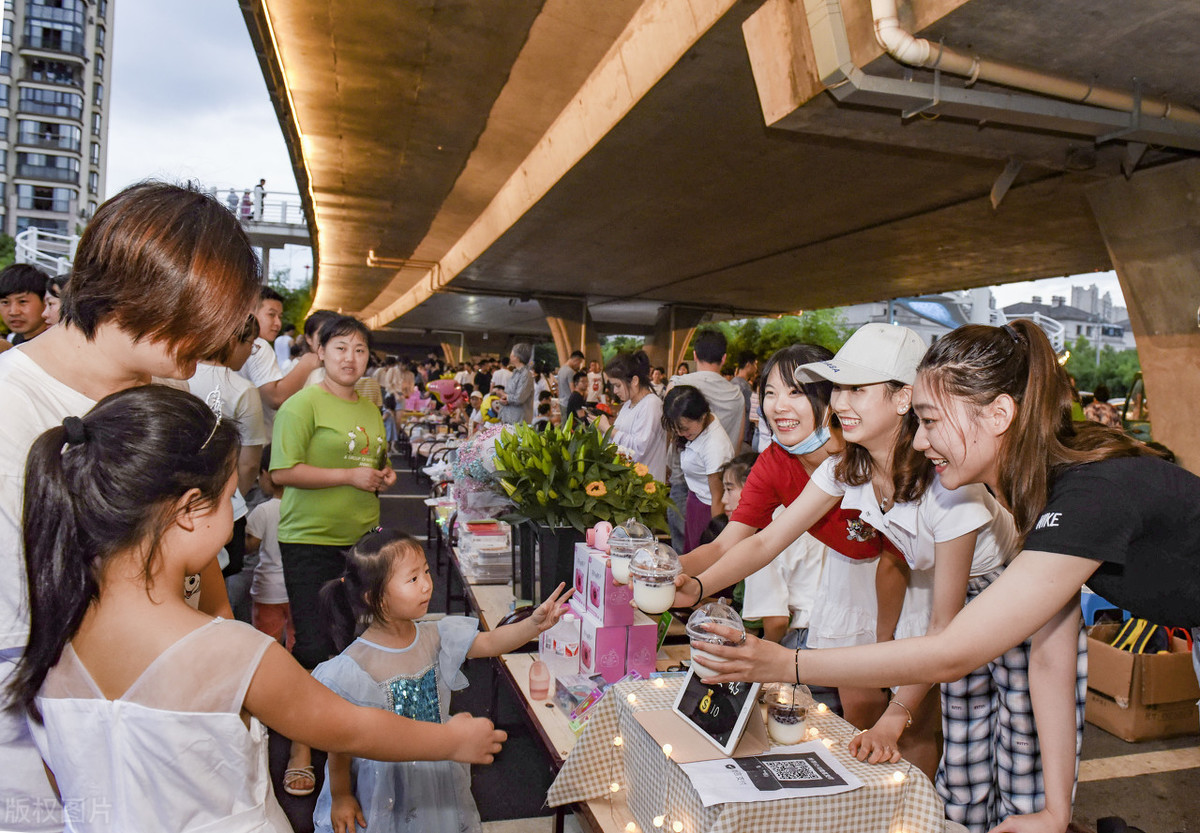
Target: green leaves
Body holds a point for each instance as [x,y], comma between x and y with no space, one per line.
[569,476]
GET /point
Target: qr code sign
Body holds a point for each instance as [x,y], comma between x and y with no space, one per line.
[793,770]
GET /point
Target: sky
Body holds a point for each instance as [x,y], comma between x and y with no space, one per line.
[188,101]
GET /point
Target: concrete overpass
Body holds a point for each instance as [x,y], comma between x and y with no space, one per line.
[560,167]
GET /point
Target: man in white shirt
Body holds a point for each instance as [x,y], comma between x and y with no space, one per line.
[727,404]
[565,379]
[261,368]
[501,376]
[595,389]
[724,397]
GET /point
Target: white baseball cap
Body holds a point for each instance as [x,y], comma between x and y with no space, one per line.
[875,353]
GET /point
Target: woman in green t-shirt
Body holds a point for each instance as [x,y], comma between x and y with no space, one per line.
[329,451]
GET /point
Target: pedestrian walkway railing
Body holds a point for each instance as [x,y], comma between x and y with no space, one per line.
[281,208]
[51,252]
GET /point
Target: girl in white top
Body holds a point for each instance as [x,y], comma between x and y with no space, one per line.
[965,532]
[638,428]
[122,677]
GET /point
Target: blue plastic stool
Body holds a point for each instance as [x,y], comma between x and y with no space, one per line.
[1093,604]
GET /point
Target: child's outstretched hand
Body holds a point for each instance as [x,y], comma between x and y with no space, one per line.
[550,611]
[346,813]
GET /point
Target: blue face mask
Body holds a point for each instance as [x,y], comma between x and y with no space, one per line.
[809,444]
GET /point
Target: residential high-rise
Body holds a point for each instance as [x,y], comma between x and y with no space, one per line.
[54,78]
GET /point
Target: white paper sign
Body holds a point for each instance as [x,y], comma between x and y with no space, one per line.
[807,769]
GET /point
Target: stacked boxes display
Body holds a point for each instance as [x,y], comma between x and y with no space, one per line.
[615,638]
[485,552]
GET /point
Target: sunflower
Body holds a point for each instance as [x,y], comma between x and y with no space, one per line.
[596,489]
[640,469]
[651,487]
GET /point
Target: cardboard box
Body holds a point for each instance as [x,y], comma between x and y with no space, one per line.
[602,649]
[641,646]
[608,601]
[1140,696]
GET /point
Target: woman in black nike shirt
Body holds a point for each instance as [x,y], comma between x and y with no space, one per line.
[1093,506]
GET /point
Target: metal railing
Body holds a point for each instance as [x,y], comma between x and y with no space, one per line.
[283,208]
[52,252]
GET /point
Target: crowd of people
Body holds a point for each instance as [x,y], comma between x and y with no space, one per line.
[925,518]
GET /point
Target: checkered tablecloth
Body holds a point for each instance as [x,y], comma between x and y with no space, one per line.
[653,785]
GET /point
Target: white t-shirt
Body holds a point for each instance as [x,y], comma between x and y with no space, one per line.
[638,430]
[262,369]
[238,400]
[34,401]
[703,456]
[500,377]
[788,585]
[267,585]
[283,349]
[725,399]
[940,515]
[595,382]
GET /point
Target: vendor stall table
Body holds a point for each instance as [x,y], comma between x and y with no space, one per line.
[651,784]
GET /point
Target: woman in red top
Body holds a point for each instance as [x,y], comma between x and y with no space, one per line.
[801,440]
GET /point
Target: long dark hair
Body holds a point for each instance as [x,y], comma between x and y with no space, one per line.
[977,363]
[787,360]
[354,600]
[630,366]
[99,486]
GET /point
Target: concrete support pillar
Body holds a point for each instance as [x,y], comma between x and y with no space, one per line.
[673,331]
[572,328]
[450,353]
[266,265]
[1151,225]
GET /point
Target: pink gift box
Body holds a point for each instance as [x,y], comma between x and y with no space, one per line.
[583,555]
[602,648]
[607,601]
[641,647]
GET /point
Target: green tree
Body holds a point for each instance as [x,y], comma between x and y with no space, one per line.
[1115,368]
[611,345]
[8,251]
[764,336]
[296,301]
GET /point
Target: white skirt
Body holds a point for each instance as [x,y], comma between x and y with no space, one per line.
[846,607]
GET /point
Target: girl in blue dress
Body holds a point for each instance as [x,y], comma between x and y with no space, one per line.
[408,667]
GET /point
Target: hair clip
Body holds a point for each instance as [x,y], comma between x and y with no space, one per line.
[213,401]
[1013,334]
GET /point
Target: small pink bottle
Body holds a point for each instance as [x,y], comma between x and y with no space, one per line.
[539,680]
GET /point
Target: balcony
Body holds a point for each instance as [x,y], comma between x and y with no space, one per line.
[57,45]
[57,80]
[47,172]
[47,140]
[42,108]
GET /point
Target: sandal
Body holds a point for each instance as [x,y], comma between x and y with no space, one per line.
[299,774]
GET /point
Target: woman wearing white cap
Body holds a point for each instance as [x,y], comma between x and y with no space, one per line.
[956,543]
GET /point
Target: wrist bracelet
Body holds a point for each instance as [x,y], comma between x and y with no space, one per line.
[797,666]
[701,596]
[896,702]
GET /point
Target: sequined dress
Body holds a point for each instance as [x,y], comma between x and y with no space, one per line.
[411,796]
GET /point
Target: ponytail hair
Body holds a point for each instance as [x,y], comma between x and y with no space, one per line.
[100,486]
[629,366]
[351,602]
[977,363]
